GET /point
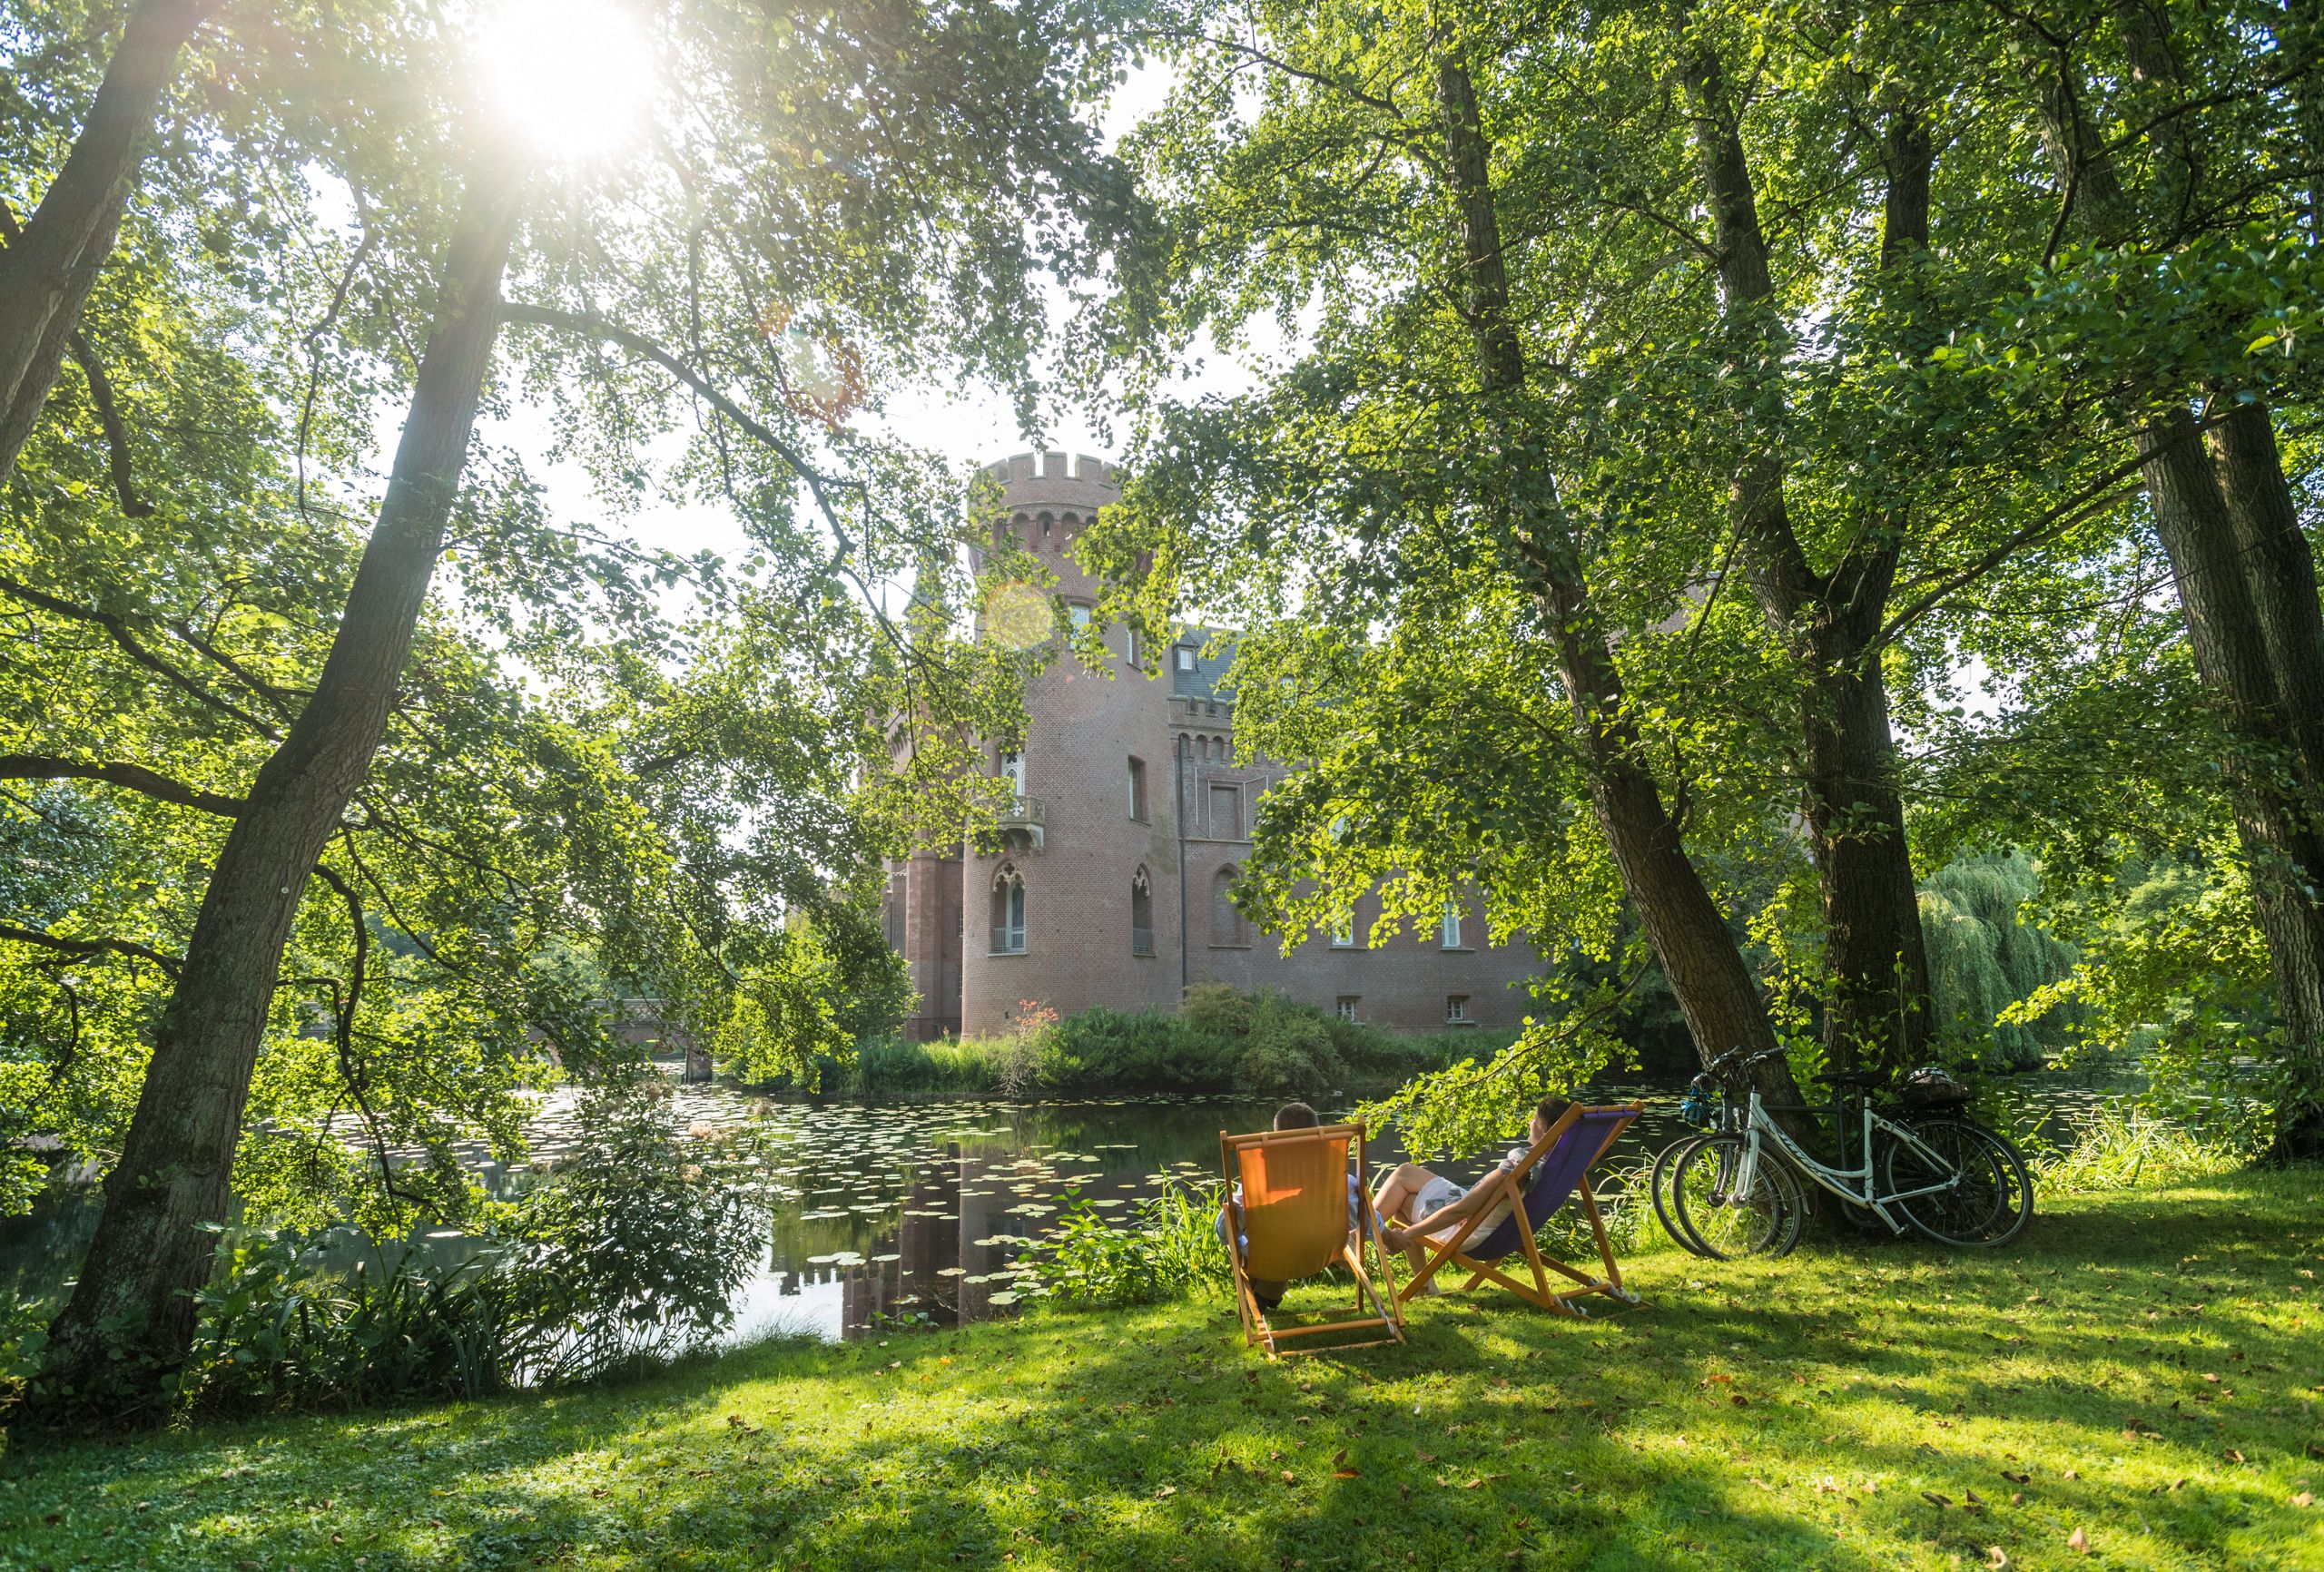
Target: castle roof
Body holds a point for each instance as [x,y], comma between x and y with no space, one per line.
[1209,679]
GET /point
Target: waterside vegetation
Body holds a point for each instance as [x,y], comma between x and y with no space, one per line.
[1223,1043]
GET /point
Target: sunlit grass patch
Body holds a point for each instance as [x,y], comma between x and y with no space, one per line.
[1858,1406]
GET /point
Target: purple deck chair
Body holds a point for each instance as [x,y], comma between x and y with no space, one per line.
[1557,1166]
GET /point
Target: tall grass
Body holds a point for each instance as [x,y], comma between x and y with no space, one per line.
[2118,1145]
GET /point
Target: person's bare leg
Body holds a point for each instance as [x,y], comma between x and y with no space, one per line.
[1394,1205]
[1394,1199]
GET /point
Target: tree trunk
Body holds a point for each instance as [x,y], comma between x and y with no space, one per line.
[2247,586]
[1685,927]
[2280,567]
[131,1318]
[2277,816]
[48,268]
[1877,1005]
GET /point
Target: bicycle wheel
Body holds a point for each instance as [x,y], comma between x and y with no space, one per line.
[1658,1187]
[1721,1217]
[1987,1195]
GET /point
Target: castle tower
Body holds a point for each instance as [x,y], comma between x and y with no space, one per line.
[1128,823]
[1051,909]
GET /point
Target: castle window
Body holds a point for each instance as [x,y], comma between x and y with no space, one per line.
[1138,790]
[1079,616]
[1347,1006]
[1456,1011]
[1012,770]
[1141,914]
[1452,934]
[1344,931]
[898,885]
[1008,912]
[1129,644]
[1225,813]
[1227,925]
[1186,657]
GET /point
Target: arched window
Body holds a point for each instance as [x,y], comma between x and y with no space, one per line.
[1141,914]
[1226,924]
[1008,912]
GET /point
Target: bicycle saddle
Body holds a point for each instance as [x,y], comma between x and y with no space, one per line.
[1854,1077]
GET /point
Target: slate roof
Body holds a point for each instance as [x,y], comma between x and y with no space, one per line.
[1209,679]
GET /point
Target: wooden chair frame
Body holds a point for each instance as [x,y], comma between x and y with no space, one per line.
[1513,1181]
[1258,1329]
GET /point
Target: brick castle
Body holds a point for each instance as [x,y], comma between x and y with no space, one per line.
[1129,821]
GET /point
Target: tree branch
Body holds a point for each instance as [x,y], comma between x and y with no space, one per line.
[124,479]
[134,777]
[88,947]
[118,627]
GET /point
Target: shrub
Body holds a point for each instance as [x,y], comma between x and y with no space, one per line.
[1169,1250]
[1223,1042]
[627,1255]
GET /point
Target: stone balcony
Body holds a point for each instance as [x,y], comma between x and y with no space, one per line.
[1022,821]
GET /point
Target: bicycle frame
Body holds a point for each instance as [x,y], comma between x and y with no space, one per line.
[1758,1122]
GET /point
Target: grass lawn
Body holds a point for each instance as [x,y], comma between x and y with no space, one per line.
[2138,1383]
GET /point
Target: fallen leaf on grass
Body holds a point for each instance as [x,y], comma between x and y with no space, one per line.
[1346,1474]
[1289,1478]
[1996,1557]
[2232,1455]
[2305,1498]
[1934,1499]
[2016,1479]
[2078,1542]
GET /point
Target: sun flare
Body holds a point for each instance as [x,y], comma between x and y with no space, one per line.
[571,76]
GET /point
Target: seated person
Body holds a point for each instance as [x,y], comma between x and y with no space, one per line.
[1422,1207]
[1290,1116]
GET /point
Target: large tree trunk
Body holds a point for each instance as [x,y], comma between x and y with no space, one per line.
[2282,569]
[2277,818]
[47,269]
[2247,586]
[1877,1003]
[131,1317]
[1685,927]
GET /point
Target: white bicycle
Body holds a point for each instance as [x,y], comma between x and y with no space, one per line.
[1735,1191]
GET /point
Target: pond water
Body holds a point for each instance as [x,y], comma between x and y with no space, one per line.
[892,1215]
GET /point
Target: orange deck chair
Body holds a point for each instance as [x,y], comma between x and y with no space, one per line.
[1557,1166]
[1293,1222]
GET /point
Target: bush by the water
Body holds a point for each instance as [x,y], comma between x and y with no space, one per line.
[1222,1041]
[627,1255]
[1169,1249]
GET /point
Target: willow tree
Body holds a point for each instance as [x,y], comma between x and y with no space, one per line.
[806,212]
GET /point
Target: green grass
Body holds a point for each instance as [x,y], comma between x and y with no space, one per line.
[1850,1408]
